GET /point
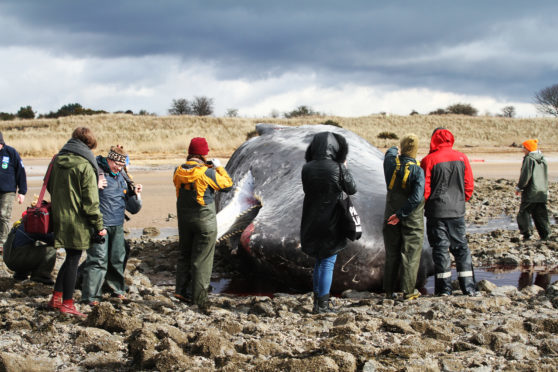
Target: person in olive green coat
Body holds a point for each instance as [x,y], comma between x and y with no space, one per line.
[73,186]
[533,187]
[403,228]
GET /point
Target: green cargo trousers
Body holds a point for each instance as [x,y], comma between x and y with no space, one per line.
[6,204]
[37,259]
[539,213]
[99,258]
[197,229]
[403,243]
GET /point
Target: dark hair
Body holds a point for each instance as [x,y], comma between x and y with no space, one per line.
[437,129]
[86,136]
[201,157]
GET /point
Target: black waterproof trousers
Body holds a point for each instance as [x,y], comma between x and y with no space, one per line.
[447,235]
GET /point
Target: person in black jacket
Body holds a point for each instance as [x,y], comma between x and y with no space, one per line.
[320,235]
[12,179]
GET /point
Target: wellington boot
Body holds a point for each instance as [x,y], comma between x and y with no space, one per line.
[324,305]
[69,308]
[55,301]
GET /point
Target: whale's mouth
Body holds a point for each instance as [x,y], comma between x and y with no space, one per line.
[238,214]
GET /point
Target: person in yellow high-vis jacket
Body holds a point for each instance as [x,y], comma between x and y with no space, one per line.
[196,183]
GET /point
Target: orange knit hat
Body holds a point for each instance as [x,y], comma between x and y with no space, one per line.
[531,144]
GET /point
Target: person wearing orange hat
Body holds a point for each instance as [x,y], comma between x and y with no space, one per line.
[196,182]
[533,188]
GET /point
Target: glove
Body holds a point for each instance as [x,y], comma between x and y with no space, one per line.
[216,163]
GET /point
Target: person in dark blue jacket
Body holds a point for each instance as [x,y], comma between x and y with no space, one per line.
[403,228]
[105,260]
[12,180]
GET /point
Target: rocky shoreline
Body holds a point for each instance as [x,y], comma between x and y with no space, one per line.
[504,329]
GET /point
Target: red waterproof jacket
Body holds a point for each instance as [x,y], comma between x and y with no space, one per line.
[448,176]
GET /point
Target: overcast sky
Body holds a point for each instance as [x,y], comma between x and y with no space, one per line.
[347,58]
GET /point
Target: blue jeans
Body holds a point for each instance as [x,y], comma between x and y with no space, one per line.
[323,274]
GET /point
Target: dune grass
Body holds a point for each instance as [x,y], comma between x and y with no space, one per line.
[169,136]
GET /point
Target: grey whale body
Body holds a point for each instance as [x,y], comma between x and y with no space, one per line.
[268,167]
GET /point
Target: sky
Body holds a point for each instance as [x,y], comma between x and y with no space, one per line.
[345,58]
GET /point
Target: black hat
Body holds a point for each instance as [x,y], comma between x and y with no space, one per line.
[2,139]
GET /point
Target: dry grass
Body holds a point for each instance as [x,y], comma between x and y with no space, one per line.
[169,136]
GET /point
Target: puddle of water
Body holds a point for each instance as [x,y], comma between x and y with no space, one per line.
[518,278]
[164,233]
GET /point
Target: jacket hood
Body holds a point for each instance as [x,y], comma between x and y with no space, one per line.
[441,138]
[536,155]
[190,171]
[69,160]
[327,145]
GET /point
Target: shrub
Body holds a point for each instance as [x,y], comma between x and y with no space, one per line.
[439,111]
[334,123]
[301,111]
[26,113]
[387,135]
[6,116]
[462,109]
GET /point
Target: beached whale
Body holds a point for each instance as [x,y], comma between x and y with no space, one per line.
[262,216]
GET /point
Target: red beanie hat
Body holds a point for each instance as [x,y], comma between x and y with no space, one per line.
[198,146]
[531,144]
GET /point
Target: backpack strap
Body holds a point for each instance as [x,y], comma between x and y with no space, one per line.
[45,182]
[406,172]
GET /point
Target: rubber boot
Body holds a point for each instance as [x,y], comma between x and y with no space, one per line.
[55,301]
[324,305]
[69,308]
[315,308]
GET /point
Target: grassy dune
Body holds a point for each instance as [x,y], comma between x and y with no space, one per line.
[169,136]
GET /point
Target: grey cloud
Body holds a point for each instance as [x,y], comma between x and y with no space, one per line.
[399,43]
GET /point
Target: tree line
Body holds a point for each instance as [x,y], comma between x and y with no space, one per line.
[545,100]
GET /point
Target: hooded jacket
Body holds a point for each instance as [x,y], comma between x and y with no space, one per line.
[321,180]
[12,172]
[533,181]
[75,200]
[202,180]
[448,177]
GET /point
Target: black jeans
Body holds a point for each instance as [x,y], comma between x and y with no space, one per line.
[447,235]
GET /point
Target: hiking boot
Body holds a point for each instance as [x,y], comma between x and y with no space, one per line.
[69,308]
[324,305]
[444,294]
[391,296]
[94,303]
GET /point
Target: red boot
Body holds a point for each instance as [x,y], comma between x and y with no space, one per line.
[55,301]
[69,308]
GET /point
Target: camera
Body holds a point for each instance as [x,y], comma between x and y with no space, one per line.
[97,239]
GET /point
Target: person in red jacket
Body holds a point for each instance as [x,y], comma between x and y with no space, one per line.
[448,185]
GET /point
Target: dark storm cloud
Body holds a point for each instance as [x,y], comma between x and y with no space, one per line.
[476,47]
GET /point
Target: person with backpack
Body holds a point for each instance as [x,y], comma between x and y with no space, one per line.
[403,228]
[29,254]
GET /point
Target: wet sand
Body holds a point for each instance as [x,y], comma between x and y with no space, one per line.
[159,196]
